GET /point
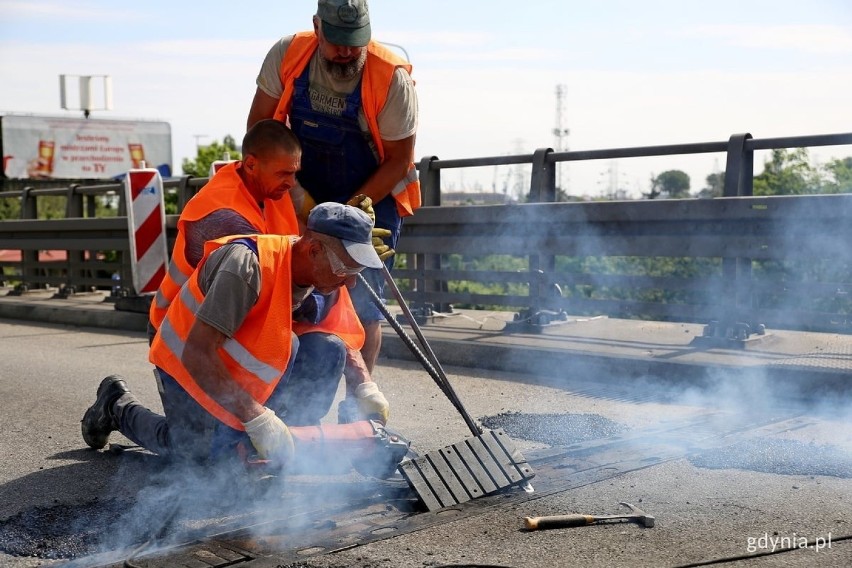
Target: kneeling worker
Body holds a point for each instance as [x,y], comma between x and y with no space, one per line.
[226,347]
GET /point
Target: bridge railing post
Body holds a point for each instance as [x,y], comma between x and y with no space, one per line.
[542,286]
[736,321]
[29,258]
[430,190]
[75,259]
[184,192]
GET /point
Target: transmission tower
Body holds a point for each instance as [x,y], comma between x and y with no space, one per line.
[560,133]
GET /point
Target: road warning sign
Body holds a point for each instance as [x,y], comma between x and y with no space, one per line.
[146,218]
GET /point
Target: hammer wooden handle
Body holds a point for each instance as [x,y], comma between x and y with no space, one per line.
[558,521]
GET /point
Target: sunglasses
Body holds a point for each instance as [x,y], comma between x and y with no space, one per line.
[337,266]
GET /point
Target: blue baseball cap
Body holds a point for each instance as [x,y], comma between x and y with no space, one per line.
[350,226]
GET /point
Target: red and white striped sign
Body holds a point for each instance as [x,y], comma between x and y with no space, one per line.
[146,218]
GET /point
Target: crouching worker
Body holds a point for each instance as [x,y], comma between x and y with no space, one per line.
[225,350]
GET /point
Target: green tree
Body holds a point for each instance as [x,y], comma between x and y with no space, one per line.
[10,208]
[787,172]
[672,184]
[839,174]
[715,186]
[206,155]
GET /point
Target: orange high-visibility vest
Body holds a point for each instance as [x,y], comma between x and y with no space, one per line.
[378,73]
[258,354]
[341,320]
[225,190]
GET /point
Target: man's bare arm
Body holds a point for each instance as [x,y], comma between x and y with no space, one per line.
[263,106]
[355,371]
[398,155]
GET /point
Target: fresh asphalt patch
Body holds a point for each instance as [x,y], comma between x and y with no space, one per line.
[779,456]
[554,429]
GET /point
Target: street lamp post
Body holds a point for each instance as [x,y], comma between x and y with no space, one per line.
[197,138]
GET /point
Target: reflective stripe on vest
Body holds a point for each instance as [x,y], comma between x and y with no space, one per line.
[256,357]
[239,353]
[175,278]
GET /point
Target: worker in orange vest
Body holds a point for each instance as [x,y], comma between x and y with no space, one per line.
[238,199]
[233,202]
[226,347]
[352,104]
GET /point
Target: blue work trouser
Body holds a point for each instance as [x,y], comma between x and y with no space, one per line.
[187,431]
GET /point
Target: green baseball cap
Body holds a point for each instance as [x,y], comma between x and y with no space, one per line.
[345,22]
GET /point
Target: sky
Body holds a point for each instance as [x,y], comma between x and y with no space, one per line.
[632,73]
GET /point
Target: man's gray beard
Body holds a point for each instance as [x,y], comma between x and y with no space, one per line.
[345,71]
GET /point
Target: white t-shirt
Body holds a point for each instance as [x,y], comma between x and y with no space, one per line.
[397,120]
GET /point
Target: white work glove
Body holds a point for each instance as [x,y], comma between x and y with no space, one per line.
[270,437]
[367,404]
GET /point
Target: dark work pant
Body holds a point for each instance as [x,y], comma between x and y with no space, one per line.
[187,431]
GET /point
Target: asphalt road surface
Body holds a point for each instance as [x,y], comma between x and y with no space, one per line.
[736,471]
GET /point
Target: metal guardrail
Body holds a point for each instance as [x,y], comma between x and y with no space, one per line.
[734,234]
[97,249]
[792,229]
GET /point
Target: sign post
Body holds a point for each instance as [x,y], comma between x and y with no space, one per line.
[217,164]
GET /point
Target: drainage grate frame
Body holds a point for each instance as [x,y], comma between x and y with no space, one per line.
[472,468]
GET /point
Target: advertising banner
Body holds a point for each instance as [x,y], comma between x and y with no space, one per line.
[70,148]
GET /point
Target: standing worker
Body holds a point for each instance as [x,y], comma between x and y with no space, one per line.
[233,202]
[351,102]
[226,347]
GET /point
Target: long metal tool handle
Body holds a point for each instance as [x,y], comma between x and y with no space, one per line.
[449,390]
[405,337]
[413,323]
[440,380]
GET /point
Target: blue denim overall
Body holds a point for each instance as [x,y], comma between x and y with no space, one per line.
[336,161]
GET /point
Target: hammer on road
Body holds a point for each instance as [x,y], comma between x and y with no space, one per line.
[576,520]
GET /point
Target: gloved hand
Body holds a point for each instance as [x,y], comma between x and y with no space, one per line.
[383,250]
[365,204]
[367,404]
[270,437]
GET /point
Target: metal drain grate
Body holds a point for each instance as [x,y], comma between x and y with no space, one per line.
[472,468]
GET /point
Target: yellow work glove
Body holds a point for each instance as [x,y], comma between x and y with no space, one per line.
[365,204]
[270,437]
[383,250]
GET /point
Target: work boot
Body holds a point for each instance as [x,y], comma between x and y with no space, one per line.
[99,421]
